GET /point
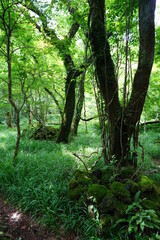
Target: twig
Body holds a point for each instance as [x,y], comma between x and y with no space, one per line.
[81,161]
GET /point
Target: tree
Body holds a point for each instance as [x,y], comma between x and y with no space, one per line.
[10,19]
[72,72]
[123,119]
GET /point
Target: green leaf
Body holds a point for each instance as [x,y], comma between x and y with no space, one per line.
[137,195]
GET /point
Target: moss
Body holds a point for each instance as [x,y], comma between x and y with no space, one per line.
[77,173]
[97,191]
[120,209]
[154,195]
[148,204]
[45,133]
[131,186]
[73,184]
[75,194]
[108,203]
[83,178]
[145,184]
[120,192]
[107,175]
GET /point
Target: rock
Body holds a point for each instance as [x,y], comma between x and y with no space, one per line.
[83,178]
[75,194]
[97,191]
[148,204]
[131,186]
[108,203]
[107,175]
[120,209]
[145,184]
[120,192]
[45,133]
[73,184]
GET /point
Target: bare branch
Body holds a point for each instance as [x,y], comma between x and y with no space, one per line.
[81,161]
[55,100]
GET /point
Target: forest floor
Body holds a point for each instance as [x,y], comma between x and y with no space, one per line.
[18,226]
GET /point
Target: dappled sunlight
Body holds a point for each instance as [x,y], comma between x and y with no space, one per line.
[15,216]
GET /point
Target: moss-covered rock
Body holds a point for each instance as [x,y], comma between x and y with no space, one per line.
[78,173]
[45,133]
[73,184]
[131,186]
[83,178]
[148,204]
[120,209]
[108,203]
[75,194]
[145,184]
[107,175]
[120,192]
[97,191]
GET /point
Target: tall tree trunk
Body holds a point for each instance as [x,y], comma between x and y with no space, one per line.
[64,132]
[122,123]
[14,105]
[79,105]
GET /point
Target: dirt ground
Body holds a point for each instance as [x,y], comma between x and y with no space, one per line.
[17,226]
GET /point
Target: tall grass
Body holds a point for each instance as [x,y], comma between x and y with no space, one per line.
[38,183]
[150,140]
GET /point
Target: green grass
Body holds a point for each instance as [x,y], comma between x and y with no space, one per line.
[38,183]
[150,140]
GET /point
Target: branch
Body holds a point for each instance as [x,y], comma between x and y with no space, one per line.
[73,30]
[150,122]
[55,100]
[81,161]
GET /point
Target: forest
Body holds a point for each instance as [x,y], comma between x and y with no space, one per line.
[80,119]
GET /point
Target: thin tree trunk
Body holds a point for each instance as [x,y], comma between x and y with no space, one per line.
[10,86]
[9,120]
[64,131]
[79,105]
[18,134]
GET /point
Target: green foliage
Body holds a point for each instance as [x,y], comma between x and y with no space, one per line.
[97,191]
[138,220]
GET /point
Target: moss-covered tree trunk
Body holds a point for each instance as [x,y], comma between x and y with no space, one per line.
[122,120]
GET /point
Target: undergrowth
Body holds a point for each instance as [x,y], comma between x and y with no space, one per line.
[38,183]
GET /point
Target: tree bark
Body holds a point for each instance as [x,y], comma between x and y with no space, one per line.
[122,123]
[9,120]
[79,105]
[64,131]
